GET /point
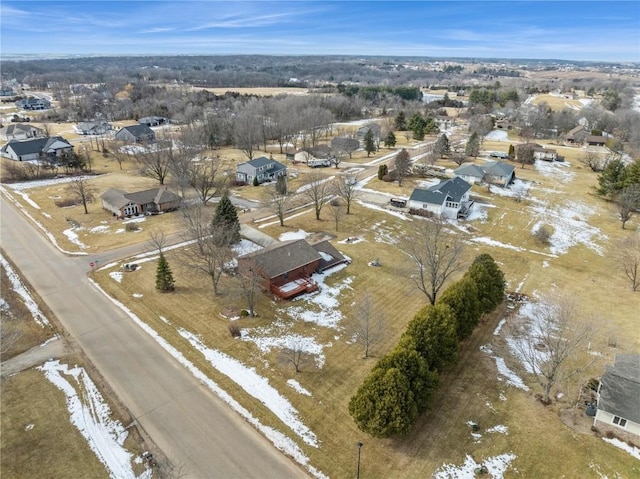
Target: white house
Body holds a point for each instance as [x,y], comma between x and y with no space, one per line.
[93,127]
[36,149]
[449,198]
[263,168]
[619,394]
[20,131]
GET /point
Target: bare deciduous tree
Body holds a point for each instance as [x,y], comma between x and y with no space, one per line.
[402,165]
[155,160]
[157,239]
[435,253]
[317,190]
[547,346]
[247,126]
[629,259]
[593,161]
[9,334]
[82,191]
[337,209]
[206,251]
[249,281]
[294,352]
[367,325]
[204,177]
[276,202]
[347,189]
[627,202]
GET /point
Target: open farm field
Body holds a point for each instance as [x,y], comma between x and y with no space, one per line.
[557,102]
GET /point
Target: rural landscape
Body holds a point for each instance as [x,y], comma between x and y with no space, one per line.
[363,266]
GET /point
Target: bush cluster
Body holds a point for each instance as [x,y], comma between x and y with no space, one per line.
[402,383]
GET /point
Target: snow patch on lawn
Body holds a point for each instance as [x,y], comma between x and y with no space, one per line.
[325,306]
[296,385]
[499,429]
[634,451]
[497,135]
[116,276]
[255,385]
[99,229]
[91,415]
[73,236]
[23,292]
[558,171]
[371,206]
[530,313]
[570,227]
[496,467]
[268,338]
[28,200]
[511,377]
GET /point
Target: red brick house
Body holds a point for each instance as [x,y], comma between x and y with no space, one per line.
[286,267]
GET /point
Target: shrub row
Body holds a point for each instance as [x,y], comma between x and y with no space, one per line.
[401,384]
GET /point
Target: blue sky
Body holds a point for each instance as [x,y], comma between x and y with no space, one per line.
[575,30]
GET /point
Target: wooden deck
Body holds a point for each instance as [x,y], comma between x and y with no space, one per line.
[294,288]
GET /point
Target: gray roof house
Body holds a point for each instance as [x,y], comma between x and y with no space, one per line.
[20,131]
[449,198]
[153,121]
[576,135]
[495,172]
[263,168]
[93,127]
[36,148]
[136,133]
[619,394]
[33,104]
[595,140]
[156,200]
[470,173]
[499,172]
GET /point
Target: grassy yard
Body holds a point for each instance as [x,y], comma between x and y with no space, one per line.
[580,262]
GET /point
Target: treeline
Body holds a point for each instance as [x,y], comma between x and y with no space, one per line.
[373,93]
[402,383]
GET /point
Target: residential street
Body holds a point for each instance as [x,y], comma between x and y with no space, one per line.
[185,420]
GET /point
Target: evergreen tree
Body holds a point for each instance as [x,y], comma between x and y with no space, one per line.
[418,124]
[422,381]
[512,152]
[369,142]
[441,148]
[473,145]
[382,170]
[632,174]
[164,276]
[255,181]
[612,179]
[489,280]
[390,140]
[400,122]
[226,219]
[432,333]
[462,298]
[384,404]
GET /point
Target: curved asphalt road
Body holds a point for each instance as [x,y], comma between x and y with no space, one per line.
[186,421]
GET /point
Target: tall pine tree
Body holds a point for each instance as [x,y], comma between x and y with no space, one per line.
[226,219]
[164,276]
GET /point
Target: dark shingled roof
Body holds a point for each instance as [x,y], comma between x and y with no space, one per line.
[620,388]
[437,194]
[138,130]
[330,256]
[280,258]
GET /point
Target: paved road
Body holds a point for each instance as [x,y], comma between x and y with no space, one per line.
[185,420]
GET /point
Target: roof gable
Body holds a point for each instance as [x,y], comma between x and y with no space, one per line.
[499,168]
[454,188]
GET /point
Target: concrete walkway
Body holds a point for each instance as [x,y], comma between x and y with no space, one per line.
[54,348]
[258,237]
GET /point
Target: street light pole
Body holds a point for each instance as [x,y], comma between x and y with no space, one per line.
[359,449]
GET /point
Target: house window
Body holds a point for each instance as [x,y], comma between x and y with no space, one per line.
[619,421]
